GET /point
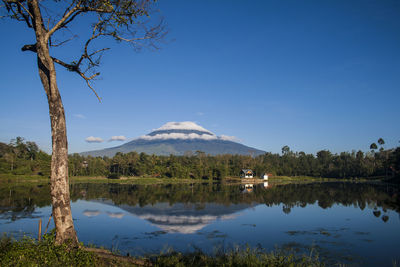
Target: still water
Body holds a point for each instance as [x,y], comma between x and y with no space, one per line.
[351,223]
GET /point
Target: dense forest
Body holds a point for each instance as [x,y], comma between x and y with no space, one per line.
[22,157]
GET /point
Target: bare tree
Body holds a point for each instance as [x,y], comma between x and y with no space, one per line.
[122,20]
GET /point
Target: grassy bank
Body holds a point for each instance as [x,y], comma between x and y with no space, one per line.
[28,252]
[99,179]
[7,178]
[275,180]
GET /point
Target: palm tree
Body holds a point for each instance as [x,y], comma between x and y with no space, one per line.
[381,142]
[373,146]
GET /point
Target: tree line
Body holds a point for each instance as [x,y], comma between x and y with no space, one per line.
[24,157]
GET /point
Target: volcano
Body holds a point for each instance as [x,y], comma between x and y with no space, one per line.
[179,138]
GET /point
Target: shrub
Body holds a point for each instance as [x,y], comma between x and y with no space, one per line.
[28,252]
[114,176]
[236,257]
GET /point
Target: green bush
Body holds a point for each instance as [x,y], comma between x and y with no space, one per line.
[236,257]
[22,170]
[28,252]
[114,176]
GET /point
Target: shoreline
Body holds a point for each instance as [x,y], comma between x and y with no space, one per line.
[7,178]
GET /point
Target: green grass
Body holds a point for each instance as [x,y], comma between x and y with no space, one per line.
[29,252]
[7,178]
[237,257]
[23,179]
[134,180]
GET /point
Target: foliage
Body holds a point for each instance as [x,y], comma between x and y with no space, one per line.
[199,166]
[28,252]
[21,158]
[114,176]
[236,257]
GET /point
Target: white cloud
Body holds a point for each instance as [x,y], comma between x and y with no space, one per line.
[117,215]
[200,113]
[117,138]
[184,125]
[190,136]
[92,139]
[91,213]
[79,116]
[179,136]
[228,138]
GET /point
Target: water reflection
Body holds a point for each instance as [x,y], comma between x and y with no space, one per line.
[246,188]
[338,219]
[118,215]
[215,200]
[184,218]
[91,213]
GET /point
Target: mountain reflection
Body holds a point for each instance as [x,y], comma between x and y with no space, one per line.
[183,218]
[186,208]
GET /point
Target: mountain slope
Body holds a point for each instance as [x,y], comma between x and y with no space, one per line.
[179,138]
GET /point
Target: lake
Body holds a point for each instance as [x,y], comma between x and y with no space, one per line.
[352,223]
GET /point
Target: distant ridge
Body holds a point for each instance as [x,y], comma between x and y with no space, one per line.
[179,138]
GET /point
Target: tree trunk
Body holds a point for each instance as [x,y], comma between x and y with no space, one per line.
[60,196]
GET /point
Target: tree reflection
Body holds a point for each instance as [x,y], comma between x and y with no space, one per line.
[22,200]
[385,218]
[376,213]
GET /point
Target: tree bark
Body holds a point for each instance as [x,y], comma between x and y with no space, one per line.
[60,196]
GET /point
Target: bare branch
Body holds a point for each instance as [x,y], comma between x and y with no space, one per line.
[94,36]
[123,21]
[62,20]
[75,68]
[30,47]
[94,91]
[18,11]
[98,51]
[25,16]
[62,42]
[65,23]
[97,10]
[70,67]
[68,8]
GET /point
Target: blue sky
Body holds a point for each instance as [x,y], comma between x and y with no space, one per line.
[309,74]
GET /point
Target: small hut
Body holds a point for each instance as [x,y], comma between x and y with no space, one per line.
[246,173]
[264,176]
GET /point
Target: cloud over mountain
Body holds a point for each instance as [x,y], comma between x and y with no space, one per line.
[184,125]
[165,136]
[186,130]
